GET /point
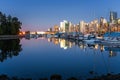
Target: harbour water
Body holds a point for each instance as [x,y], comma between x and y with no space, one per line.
[43,57]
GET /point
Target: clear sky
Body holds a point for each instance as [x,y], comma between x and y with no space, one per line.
[43,14]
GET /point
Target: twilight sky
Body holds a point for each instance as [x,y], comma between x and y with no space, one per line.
[43,14]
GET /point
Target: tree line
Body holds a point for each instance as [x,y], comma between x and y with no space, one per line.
[9,25]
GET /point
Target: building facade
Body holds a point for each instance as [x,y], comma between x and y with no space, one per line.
[64,26]
[113,16]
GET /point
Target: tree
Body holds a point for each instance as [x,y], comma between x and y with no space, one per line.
[9,25]
[16,25]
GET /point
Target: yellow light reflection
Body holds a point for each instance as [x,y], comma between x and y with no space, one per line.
[96,46]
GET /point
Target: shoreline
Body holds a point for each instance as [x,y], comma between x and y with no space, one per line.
[4,37]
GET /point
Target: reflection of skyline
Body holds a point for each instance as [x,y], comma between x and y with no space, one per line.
[56,41]
[44,56]
[112,54]
[49,39]
[66,44]
[112,50]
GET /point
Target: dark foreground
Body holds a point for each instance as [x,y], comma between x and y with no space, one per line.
[59,77]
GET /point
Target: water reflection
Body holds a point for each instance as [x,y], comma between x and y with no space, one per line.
[66,44]
[112,50]
[42,58]
[95,50]
[9,48]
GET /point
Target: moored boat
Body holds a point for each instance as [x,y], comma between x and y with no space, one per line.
[111,38]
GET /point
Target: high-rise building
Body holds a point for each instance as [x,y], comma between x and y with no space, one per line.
[82,26]
[50,29]
[118,21]
[56,28]
[64,26]
[113,16]
[103,25]
[102,22]
[77,28]
[71,27]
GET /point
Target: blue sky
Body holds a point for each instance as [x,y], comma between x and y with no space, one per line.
[43,14]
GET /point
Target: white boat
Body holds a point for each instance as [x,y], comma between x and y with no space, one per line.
[89,36]
[91,41]
[80,37]
[109,42]
[76,36]
[86,36]
[111,39]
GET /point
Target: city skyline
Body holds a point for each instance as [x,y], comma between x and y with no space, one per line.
[43,14]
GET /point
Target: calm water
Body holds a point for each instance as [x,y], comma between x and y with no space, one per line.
[40,58]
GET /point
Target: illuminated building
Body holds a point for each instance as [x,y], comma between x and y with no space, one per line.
[56,28]
[82,26]
[77,28]
[103,28]
[113,16]
[118,21]
[71,27]
[93,27]
[64,26]
[103,20]
[50,29]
